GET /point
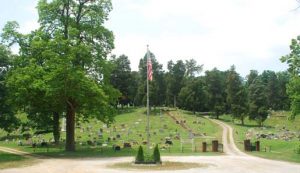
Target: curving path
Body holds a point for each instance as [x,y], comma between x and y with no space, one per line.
[234,161]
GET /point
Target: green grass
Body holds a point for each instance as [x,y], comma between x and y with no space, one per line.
[12,161]
[278,149]
[131,126]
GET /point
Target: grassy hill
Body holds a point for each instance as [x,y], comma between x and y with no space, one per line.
[279,137]
[130,127]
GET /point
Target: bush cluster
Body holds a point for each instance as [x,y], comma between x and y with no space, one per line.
[144,159]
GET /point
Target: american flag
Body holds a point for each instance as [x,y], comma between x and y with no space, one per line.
[149,69]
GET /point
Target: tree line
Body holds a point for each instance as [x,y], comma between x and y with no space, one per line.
[183,85]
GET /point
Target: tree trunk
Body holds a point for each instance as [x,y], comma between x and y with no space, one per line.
[174,101]
[70,127]
[56,130]
[242,119]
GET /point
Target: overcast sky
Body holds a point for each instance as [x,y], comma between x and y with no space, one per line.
[251,34]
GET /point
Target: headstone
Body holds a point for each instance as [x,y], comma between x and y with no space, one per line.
[215,145]
[127,145]
[117,148]
[247,145]
[204,146]
[169,142]
[89,142]
[257,146]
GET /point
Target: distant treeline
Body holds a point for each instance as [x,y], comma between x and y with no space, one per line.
[185,86]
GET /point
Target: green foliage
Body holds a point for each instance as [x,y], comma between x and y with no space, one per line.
[215,82]
[156,86]
[140,155]
[175,81]
[257,101]
[8,121]
[293,58]
[192,69]
[293,61]
[156,155]
[251,77]
[236,95]
[63,65]
[293,90]
[121,78]
[271,83]
[193,96]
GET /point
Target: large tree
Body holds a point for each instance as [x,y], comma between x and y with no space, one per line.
[8,121]
[193,96]
[236,95]
[121,78]
[192,69]
[64,63]
[156,86]
[271,83]
[175,80]
[293,60]
[258,109]
[215,82]
[283,80]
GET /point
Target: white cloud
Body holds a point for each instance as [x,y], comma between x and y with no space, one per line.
[236,29]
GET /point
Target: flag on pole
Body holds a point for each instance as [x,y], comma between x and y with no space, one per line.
[149,69]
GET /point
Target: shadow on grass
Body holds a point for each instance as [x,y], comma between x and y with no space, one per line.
[84,153]
[246,125]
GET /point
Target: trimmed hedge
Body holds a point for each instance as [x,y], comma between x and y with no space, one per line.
[156,155]
[140,156]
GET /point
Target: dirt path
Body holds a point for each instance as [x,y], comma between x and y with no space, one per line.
[234,161]
[227,139]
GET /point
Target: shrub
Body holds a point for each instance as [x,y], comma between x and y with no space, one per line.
[156,155]
[140,155]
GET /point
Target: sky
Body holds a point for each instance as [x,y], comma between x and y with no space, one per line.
[216,33]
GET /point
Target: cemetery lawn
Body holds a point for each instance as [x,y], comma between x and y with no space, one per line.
[8,160]
[275,148]
[129,127]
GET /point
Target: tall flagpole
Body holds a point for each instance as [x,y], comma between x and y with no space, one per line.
[148,109]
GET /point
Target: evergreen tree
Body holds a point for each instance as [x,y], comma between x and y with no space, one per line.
[236,95]
[140,155]
[121,78]
[156,155]
[193,96]
[215,82]
[258,101]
